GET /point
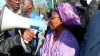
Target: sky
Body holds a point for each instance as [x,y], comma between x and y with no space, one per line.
[2,2]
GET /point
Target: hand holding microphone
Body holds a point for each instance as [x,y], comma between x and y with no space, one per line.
[28,35]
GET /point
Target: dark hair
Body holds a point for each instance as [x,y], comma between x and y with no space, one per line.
[49,13]
[84,3]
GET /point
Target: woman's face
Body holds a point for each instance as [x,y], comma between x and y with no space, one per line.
[54,21]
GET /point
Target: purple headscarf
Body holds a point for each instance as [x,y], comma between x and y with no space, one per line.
[68,14]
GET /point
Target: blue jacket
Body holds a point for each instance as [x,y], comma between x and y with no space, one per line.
[91,43]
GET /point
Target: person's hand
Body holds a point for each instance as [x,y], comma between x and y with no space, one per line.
[28,35]
[4,54]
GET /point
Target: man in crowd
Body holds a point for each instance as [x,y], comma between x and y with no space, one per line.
[13,45]
[27,6]
[91,43]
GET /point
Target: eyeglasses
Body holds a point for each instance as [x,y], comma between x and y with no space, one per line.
[53,17]
[15,0]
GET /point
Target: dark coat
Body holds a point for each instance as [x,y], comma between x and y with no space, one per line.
[93,6]
[91,43]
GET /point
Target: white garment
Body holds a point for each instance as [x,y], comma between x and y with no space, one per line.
[88,1]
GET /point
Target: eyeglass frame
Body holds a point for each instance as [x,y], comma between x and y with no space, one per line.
[53,17]
[15,0]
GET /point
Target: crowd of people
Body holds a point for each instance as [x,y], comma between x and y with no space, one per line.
[71,30]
